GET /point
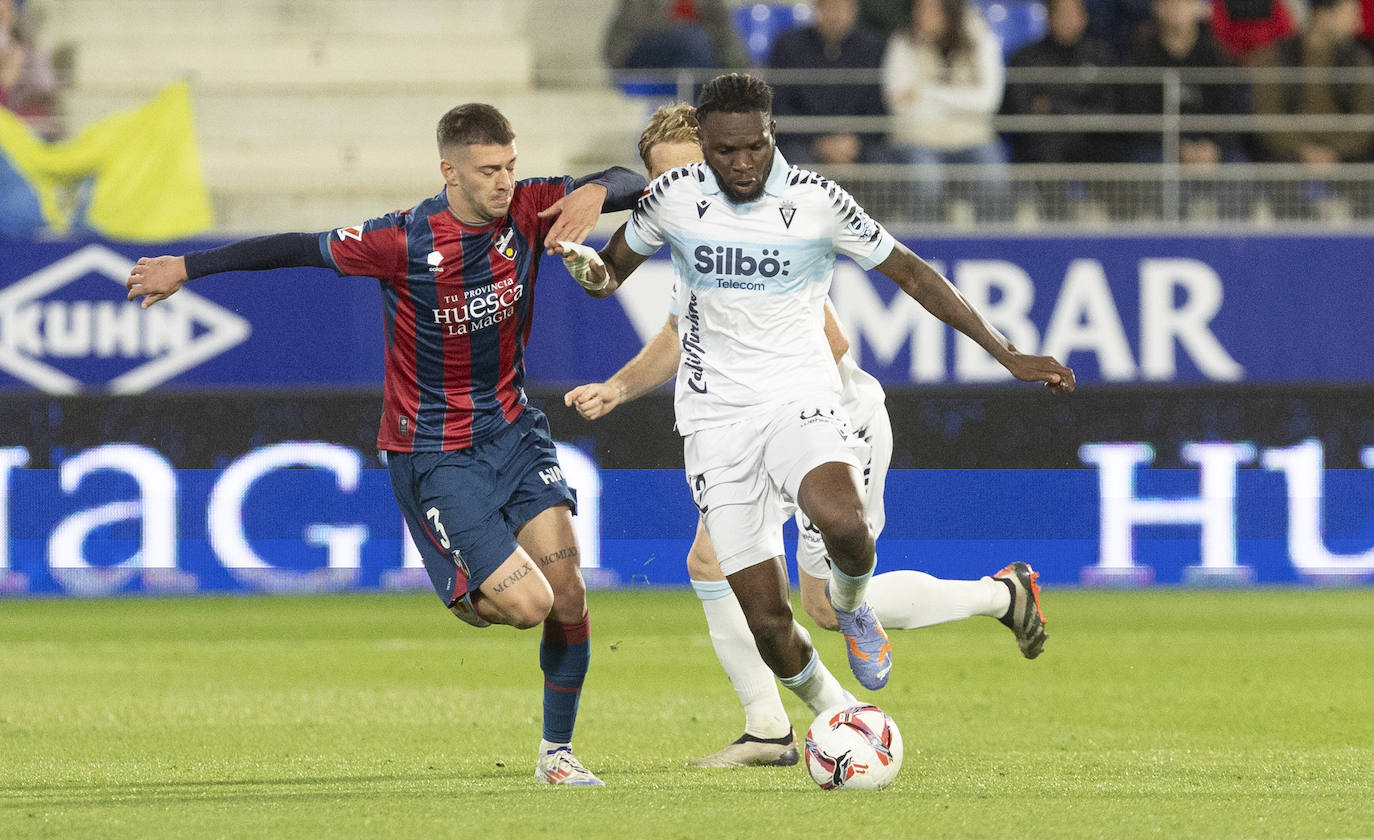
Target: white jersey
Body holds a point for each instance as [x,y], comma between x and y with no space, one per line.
[861,394]
[752,281]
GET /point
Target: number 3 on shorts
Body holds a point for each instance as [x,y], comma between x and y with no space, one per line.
[698,484]
[433,514]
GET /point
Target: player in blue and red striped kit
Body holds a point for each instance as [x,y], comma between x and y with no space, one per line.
[472,464]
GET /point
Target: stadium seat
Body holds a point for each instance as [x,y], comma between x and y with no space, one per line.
[759,24]
[1014,22]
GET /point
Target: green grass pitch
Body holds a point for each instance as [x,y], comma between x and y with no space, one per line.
[1164,713]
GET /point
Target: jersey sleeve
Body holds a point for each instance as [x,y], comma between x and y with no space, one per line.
[857,235]
[376,248]
[532,197]
[644,231]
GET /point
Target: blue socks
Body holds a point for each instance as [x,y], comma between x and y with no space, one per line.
[564,654]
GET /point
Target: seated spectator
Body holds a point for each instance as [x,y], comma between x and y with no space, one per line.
[835,41]
[1067,44]
[670,34]
[28,83]
[943,80]
[1328,40]
[1179,38]
[1243,26]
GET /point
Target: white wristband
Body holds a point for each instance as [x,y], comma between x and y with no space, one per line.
[579,259]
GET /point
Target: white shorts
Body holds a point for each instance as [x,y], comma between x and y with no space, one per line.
[745,476]
[876,435]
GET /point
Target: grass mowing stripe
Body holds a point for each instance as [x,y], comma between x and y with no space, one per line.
[1183,713]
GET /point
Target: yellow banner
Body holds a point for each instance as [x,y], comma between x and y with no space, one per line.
[147,183]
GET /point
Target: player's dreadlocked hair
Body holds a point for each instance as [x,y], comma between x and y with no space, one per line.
[474,124]
[669,124]
[735,93]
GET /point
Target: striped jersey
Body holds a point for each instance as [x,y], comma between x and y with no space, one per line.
[457,302]
[752,281]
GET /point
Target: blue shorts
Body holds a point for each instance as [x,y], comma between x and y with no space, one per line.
[464,507]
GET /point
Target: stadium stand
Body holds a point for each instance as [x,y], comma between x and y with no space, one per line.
[760,24]
[309,112]
[314,111]
[1014,22]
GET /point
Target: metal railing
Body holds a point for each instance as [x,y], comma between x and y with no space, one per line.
[1240,194]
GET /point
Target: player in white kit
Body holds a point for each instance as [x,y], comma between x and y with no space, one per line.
[903,599]
[757,396]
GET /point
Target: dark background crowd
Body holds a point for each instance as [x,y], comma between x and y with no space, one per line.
[941,73]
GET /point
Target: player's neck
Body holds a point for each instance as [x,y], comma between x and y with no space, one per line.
[464,214]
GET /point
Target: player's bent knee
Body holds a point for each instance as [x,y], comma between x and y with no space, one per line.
[525,614]
[847,537]
[519,592]
[702,563]
[771,624]
[703,567]
[570,600]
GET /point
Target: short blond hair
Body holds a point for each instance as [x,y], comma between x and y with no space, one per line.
[669,124]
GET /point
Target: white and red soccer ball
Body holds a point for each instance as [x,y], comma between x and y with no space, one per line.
[855,747]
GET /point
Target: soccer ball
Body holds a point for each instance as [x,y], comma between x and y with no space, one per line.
[853,747]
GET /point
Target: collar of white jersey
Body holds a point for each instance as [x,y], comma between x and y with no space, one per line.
[776,183]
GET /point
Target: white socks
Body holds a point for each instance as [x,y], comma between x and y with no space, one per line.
[817,687]
[905,600]
[847,593]
[764,715]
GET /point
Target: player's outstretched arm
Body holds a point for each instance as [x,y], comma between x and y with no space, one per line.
[652,366]
[930,289]
[158,278]
[576,213]
[155,279]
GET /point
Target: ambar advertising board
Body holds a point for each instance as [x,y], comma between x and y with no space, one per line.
[1128,310]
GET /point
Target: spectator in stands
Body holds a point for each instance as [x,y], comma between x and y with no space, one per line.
[1066,45]
[1243,26]
[1179,38]
[835,41]
[28,83]
[666,34]
[1327,41]
[1367,24]
[943,81]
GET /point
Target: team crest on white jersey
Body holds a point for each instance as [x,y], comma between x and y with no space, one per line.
[503,244]
[787,210]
